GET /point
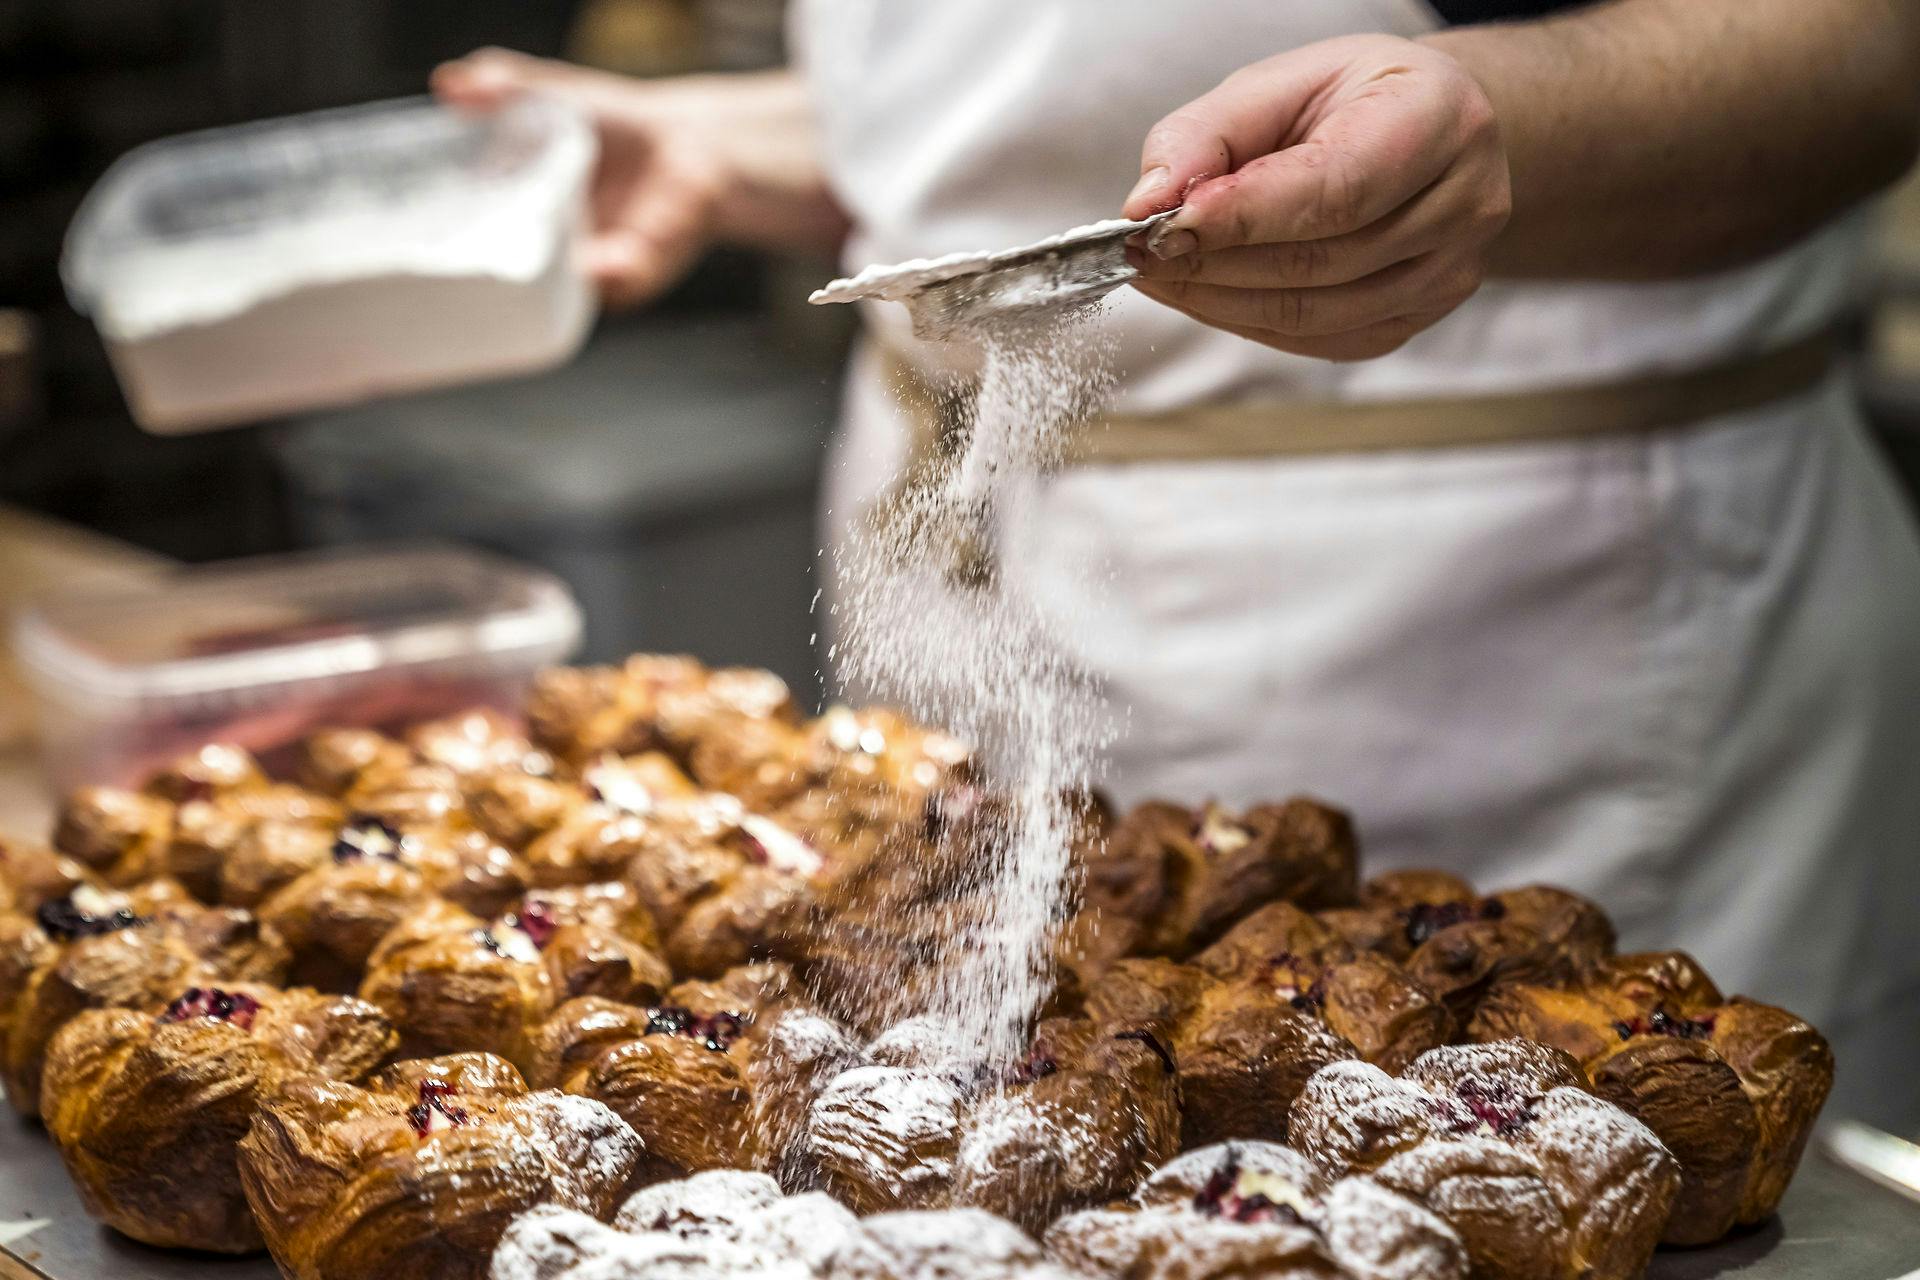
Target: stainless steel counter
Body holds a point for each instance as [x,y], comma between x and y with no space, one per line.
[1834,1226]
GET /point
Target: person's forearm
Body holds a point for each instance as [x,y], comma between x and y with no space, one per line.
[1658,138]
[775,195]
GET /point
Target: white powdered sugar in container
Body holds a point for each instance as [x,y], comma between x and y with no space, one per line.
[323,259]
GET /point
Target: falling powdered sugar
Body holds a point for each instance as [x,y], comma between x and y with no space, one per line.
[929,622]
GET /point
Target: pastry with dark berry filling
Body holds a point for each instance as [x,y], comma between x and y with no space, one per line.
[1460,944]
[1080,1121]
[147,1109]
[1367,999]
[419,1172]
[1257,1209]
[105,949]
[1241,1053]
[453,983]
[1731,1086]
[712,1075]
[373,876]
[1169,880]
[1538,1177]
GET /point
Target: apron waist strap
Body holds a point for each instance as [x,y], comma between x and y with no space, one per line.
[1281,429]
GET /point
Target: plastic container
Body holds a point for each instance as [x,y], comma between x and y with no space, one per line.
[262,652]
[318,260]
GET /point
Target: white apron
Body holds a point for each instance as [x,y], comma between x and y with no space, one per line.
[1679,672]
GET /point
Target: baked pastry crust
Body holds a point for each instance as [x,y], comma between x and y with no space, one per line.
[418,1173]
[1369,1001]
[1242,1054]
[1537,1176]
[1732,1087]
[1169,880]
[1256,1208]
[147,1110]
[1460,944]
[1082,1120]
[452,983]
[97,949]
[713,1075]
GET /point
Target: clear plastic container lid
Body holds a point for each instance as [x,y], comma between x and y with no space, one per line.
[191,229]
[237,636]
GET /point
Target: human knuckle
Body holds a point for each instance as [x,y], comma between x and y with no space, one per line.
[1303,261]
[1288,310]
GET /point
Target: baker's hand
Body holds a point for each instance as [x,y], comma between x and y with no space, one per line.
[657,184]
[1339,198]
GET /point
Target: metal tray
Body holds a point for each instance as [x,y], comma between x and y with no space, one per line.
[1834,1225]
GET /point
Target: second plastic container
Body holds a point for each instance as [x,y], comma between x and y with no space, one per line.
[323,259]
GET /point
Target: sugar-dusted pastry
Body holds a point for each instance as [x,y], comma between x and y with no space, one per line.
[104,949]
[1537,1176]
[1080,1121]
[452,983]
[1257,1209]
[1241,1053]
[147,1109]
[1365,998]
[951,1244]
[1732,1087]
[723,1223]
[1169,880]
[714,1075]
[1460,944]
[419,1172]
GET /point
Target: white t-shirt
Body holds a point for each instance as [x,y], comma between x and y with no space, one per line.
[1679,671]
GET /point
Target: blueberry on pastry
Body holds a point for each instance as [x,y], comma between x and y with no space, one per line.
[1732,1087]
[1537,1176]
[420,1171]
[147,1109]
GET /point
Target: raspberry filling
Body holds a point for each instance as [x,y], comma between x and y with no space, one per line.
[1424,919]
[366,837]
[1248,1195]
[1662,1023]
[535,919]
[717,1031]
[1039,1063]
[230,1007]
[1492,1108]
[434,1113]
[86,913]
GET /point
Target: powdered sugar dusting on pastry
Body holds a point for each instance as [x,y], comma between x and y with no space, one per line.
[952,1244]
[888,1126]
[588,1146]
[1354,1115]
[1379,1235]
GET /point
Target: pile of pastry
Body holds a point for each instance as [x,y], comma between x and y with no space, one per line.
[625,989]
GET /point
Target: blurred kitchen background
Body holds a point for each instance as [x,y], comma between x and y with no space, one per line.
[668,475]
